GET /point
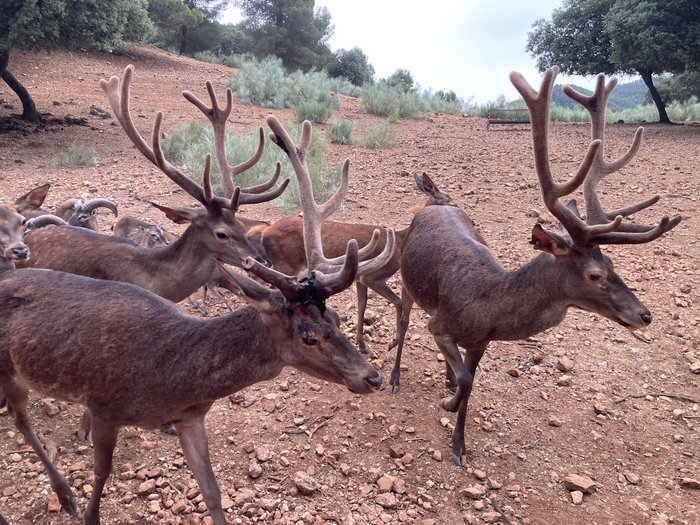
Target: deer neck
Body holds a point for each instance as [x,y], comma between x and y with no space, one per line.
[186,265]
[530,302]
[6,264]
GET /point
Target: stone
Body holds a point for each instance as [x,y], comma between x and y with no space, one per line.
[690,483]
[490,517]
[254,469]
[147,487]
[244,496]
[305,483]
[387,501]
[578,482]
[695,367]
[474,491]
[631,477]
[576,497]
[554,421]
[565,364]
[385,483]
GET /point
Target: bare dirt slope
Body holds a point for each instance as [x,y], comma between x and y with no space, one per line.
[626,415]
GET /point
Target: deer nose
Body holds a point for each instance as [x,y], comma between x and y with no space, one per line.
[375,381]
[21,252]
[646,318]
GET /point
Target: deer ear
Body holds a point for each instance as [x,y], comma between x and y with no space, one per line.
[34,197]
[549,242]
[178,215]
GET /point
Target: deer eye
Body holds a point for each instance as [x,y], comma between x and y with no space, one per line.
[221,235]
[595,276]
[308,334]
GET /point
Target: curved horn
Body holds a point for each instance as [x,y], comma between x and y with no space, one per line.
[90,205]
[43,220]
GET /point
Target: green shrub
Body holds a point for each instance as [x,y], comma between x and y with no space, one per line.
[207,56]
[380,99]
[379,136]
[344,86]
[260,82]
[77,156]
[309,95]
[410,105]
[312,110]
[341,132]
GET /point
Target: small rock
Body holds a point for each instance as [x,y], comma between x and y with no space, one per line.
[490,517]
[474,491]
[513,372]
[396,451]
[254,469]
[576,497]
[53,505]
[437,455]
[690,483]
[479,474]
[385,483]
[565,364]
[554,421]
[244,496]
[305,483]
[147,487]
[564,380]
[695,367]
[387,501]
[631,477]
[600,409]
[577,482]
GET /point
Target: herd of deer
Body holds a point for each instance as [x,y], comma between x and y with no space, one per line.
[124,350]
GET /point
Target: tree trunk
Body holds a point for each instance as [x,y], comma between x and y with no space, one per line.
[660,106]
[183,40]
[29,111]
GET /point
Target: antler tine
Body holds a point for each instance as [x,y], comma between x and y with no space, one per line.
[260,193]
[596,105]
[218,117]
[538,106]
[117,91]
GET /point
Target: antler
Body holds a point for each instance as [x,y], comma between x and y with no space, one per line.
[600,228]
[328,275]
[218,116]
[596,105]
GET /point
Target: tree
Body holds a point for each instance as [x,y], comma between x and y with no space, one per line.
[678,87]
[400,79]
[353,65]
[649,37]
[289,29]
[51,24]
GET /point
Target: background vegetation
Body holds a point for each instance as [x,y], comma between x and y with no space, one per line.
[283,58]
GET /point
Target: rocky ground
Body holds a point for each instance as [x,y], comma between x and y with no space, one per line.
[582,424]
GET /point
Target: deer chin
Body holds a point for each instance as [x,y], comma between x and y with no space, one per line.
[367,386]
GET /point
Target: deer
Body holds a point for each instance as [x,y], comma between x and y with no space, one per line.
[283,246]
[12,247]
[76,212]
[214,232]
[141,232]
[448,270]
[173,370]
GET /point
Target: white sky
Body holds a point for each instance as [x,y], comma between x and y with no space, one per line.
[467,46]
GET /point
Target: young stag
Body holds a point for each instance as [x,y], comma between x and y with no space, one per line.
[137,360]
[472,300]
[177,270]
[283,247]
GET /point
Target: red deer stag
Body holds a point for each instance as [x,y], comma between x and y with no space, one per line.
[138,360]
[283,247]
[173,271]
[472,300]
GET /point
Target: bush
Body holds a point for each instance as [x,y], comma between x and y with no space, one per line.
[309,94]
[260,82]
[188,146]
[341,132]
[313,110]
[345,87]
[207,56]
[380,100]
[380,136]
[77,156]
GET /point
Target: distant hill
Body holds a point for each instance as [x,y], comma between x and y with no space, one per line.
[627,95]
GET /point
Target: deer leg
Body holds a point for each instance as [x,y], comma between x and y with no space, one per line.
[194,443]
[16,396]
[383,289]
[361,307]
[471,360]
[104,439]
[221,296]
[406,305]
[464,378]
[85,426]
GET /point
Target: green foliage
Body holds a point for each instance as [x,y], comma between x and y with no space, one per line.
[309,95]
[341,132]
[440,102]
[353,65]
[207,56]
[290,30]
[678,87]
[189,145]
[379,136]
[383,100]
[260,82]
[50,24]
[400,79]
[344,86]
[313,111]
[77,156]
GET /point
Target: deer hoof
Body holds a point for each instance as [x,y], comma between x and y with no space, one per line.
[450,404]
[170,430]
[460,459]
[393,389]
[68,505]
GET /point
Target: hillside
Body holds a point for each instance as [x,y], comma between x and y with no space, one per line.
[585,397]
[626,95]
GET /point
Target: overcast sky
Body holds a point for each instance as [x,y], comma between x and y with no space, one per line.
[467,46]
